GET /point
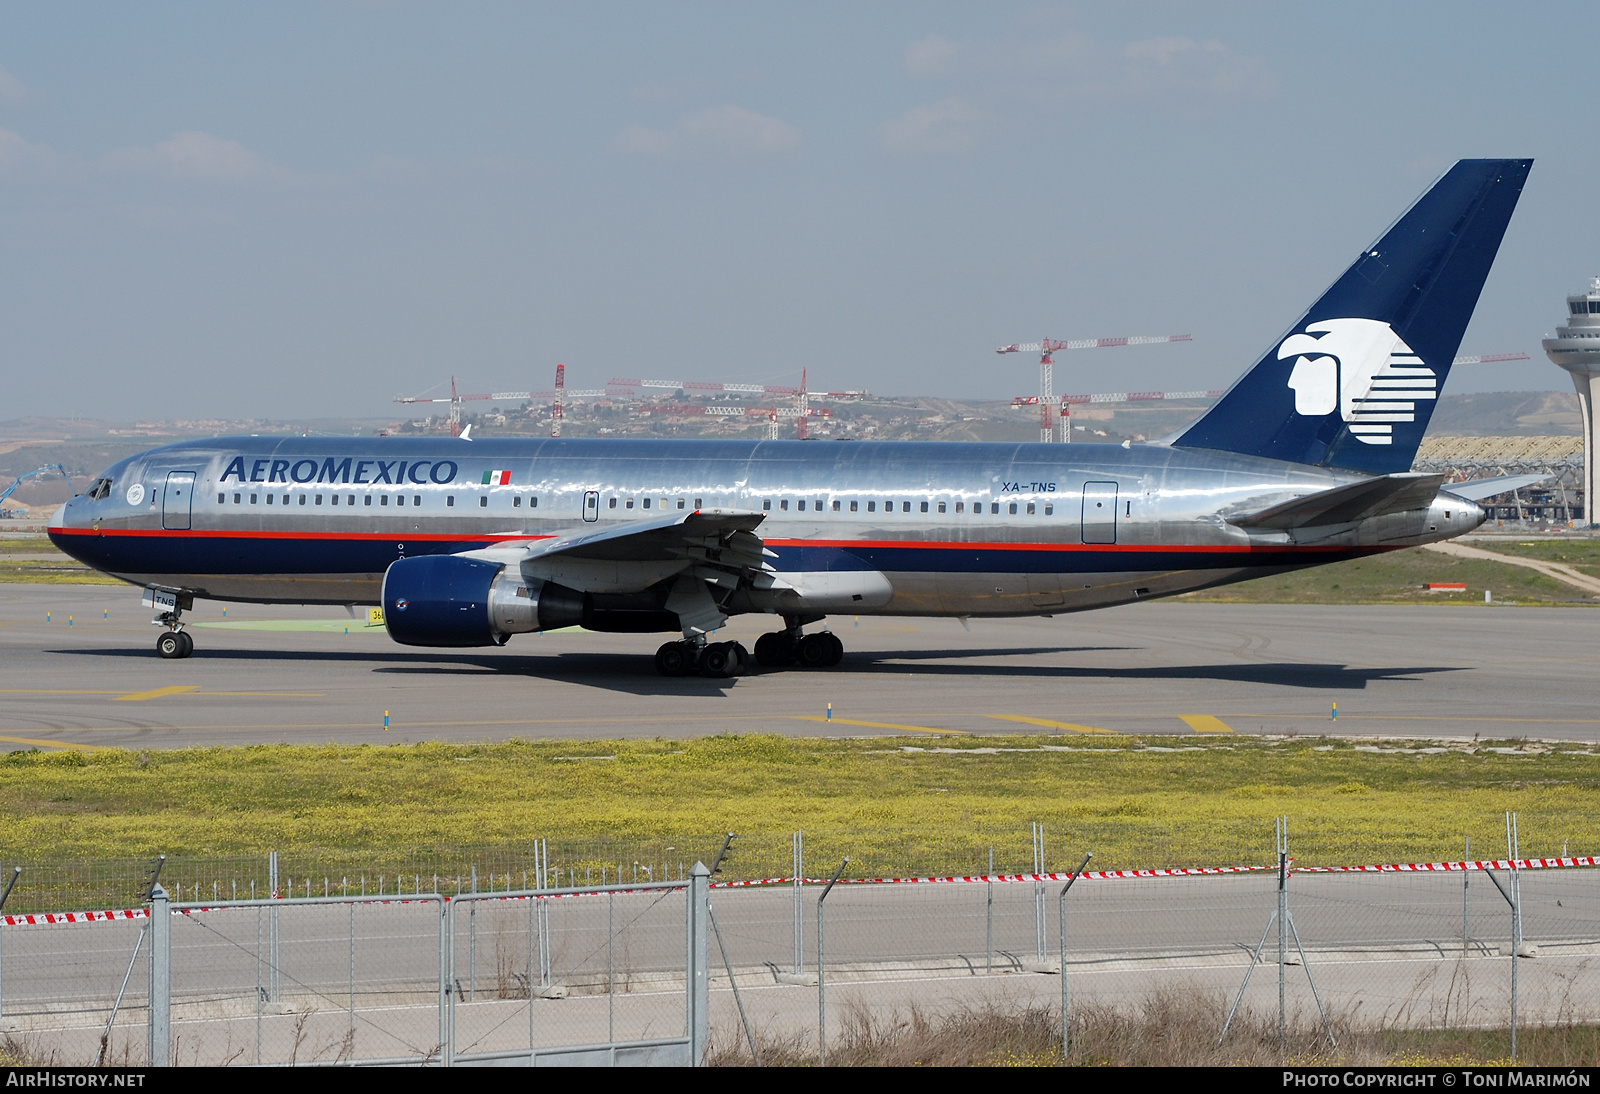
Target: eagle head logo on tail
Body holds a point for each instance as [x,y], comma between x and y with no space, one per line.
[1360,368]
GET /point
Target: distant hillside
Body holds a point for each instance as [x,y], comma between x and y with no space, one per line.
[1507,414]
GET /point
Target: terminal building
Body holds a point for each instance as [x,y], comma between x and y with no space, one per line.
[1576,348]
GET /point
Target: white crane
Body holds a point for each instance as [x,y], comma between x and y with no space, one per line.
[1046,348]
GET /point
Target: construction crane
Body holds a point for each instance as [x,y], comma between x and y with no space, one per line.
[802,412]
[1046,348]
[456,399]
[45,470]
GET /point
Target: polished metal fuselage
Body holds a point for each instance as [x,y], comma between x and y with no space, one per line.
[898,528]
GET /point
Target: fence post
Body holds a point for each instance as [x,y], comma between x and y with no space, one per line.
[160,1012]
[988,948]
[698,963]
[447,972]
[274,983]
[799,915]
[1061,919]
[822,979]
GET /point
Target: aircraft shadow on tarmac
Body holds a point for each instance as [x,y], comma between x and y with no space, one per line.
[635,674]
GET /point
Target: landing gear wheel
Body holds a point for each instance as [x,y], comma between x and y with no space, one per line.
[722,659]
[675,659]
[170,644]
[775,650]
[835,649]
[816,650]
[188,643]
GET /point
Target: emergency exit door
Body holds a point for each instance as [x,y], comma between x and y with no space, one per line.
[591,505]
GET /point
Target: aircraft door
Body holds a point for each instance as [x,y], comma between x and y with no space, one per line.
[1099,512]
[177,499]
[591,505]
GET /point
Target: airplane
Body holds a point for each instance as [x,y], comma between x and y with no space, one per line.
[465,542]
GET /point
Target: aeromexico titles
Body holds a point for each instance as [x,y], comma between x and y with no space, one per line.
[1306,460]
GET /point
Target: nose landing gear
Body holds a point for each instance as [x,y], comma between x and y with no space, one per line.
[174,642]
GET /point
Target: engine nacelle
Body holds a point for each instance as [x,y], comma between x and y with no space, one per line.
[446,600]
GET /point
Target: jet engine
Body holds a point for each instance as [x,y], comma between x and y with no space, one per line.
[446,600]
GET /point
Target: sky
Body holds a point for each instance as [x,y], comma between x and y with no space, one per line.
[305,209]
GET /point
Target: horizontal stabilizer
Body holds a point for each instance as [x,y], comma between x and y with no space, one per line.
[1478,489]
[1347,504]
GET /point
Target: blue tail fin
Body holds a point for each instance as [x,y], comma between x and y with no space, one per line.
[1353,383]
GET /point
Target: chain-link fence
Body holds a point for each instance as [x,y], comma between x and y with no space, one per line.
[669,971]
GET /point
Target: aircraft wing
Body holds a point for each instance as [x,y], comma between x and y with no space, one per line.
[1478,489]
[699,547]
[1347,504]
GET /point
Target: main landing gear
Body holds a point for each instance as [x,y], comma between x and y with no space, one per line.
[174,642]
[822,650]
[718,660]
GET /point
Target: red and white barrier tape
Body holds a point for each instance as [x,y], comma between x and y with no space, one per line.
[42,919]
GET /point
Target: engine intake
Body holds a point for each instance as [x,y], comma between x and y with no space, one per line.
[446,600]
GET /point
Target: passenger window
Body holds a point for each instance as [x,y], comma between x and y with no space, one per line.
[961,507]
[319,499]
[270,498]
[836,506]
[533,502]
[367,500]
[905,507]
[236,499]
[399,499]
[994,508]
[925,507]
[350,499]
[252,499]
[628,504]
[302,499]
[766,505]
[801,505]
[680,503]
[817,505]
[784,505]
[852,506]
[647,503]
[1030,508]
[483,501]
[449,501]
[416,499]
[384,500]
[613,503]
[516,503]
[1049,509]
[698,504]
[872,507]
[221,498]
[1013,508]
[334,500]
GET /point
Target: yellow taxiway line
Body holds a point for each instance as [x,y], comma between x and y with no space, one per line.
[881,725]
[156,693]
[1070,727]
[1206,723]
[54,744]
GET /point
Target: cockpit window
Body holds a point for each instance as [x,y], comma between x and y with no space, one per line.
[99,489]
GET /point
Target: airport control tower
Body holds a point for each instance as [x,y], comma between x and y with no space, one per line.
[1576,348]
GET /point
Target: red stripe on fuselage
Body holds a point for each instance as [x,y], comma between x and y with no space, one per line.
[846,544]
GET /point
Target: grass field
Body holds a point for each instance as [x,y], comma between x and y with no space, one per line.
[1398,578]
[935,807]
[1580,554]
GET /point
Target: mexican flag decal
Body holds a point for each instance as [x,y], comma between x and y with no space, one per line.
[497,478]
